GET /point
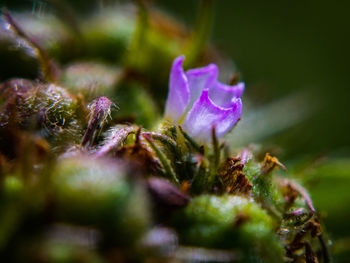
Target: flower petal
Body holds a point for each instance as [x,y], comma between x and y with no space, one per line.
[179,94]
[200,79]
[205,114]
[222,94]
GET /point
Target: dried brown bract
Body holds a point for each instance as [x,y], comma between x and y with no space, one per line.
[233,178]
[290,195]
[270,163]
[313,228]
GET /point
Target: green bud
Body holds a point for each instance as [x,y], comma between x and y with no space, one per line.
[93,191]
[230,222]
[46,108]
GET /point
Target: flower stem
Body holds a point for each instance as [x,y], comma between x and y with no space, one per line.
[162,158]
[193,143]
[166,141]
[214,163]
[200,178]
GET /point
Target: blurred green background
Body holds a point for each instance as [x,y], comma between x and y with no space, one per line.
[280,48]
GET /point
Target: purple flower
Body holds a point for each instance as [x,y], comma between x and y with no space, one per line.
[198,101]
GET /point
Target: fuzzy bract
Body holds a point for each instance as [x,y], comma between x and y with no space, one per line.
[199,102]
